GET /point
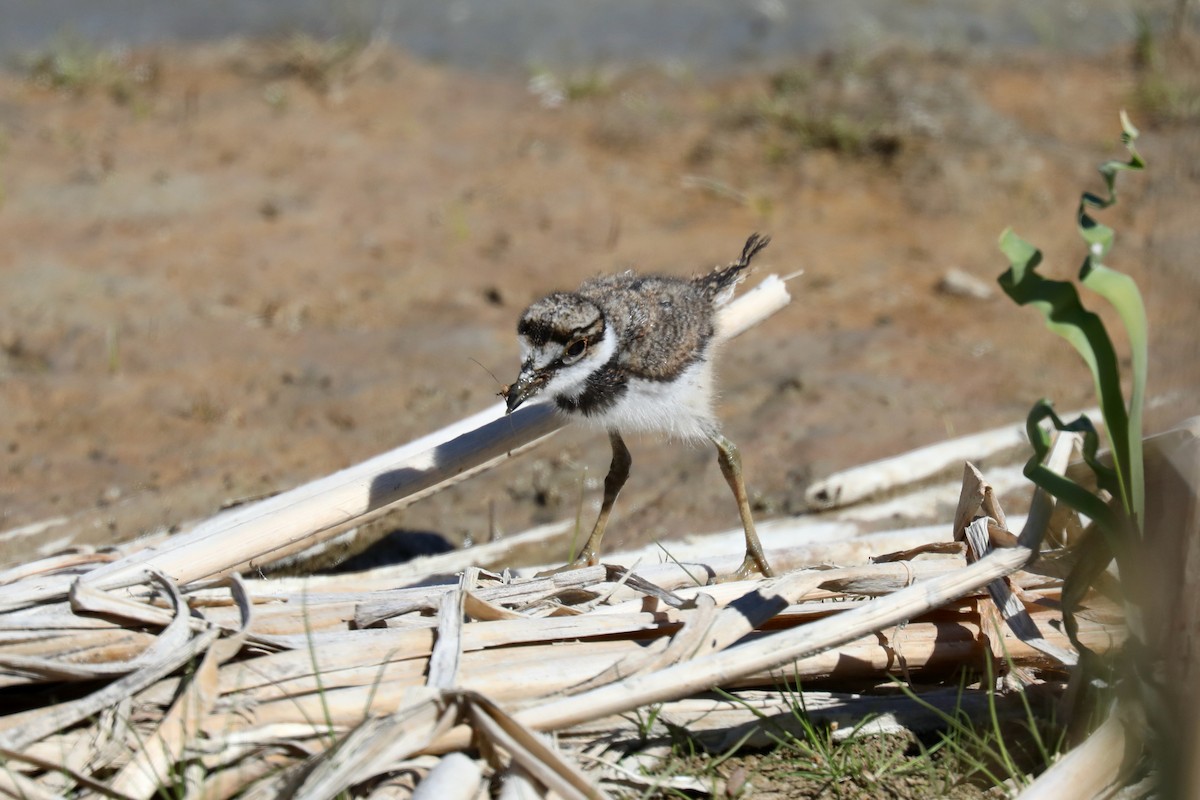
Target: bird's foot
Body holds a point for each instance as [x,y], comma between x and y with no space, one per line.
[750,565]
[584,559]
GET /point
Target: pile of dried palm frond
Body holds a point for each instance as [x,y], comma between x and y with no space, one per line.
[159,669]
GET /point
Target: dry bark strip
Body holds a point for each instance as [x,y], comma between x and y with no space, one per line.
[769,652]
[291,672]
[170,651]
[727,666]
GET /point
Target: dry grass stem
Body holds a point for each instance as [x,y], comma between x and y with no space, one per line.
[316,687]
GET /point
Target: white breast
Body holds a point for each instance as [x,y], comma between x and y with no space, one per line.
[682,408]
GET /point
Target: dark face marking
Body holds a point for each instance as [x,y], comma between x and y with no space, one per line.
[603,389]
[539,331]
[562,327]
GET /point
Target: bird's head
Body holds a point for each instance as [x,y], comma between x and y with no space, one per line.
[564,339]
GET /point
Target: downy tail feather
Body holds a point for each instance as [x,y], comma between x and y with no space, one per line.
[719,284]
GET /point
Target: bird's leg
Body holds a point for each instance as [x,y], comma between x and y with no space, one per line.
[618,473]
[731,467]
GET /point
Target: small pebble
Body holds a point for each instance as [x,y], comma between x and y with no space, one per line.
[958,283]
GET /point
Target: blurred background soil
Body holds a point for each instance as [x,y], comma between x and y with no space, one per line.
[230,267]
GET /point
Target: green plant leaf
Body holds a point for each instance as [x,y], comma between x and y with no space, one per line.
[1063,488]
[1122,293]
[1065,314]
[1059,304]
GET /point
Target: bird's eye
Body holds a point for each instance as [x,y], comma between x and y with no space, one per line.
[574,351]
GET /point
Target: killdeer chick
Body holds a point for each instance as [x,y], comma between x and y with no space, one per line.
[634,353]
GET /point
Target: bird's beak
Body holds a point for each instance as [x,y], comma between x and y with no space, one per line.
[524,387]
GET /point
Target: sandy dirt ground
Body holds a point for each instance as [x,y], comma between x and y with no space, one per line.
[226,270]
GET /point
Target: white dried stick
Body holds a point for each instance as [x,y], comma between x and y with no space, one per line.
[867,480]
